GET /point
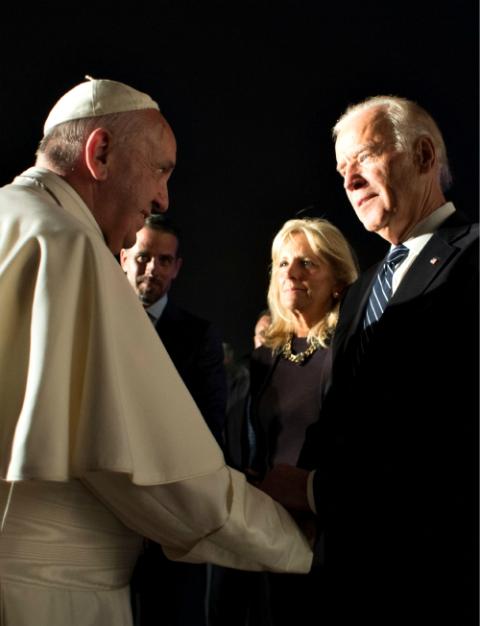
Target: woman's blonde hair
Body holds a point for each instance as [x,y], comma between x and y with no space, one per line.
[331,247]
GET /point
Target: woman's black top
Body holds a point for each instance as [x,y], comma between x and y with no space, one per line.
[286,398]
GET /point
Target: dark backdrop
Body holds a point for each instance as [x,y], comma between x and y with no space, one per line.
[251,90]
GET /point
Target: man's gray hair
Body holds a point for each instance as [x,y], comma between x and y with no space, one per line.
[409,121]
[63,144]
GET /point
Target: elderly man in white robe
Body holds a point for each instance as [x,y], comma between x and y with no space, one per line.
[100,443]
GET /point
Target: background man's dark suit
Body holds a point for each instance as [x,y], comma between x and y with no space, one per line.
[151,266]
[196,351]
[396,447]
[174,593]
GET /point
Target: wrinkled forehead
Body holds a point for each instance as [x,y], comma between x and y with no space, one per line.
[363,129]
[157,130]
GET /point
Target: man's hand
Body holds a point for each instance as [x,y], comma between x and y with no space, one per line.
[287,485]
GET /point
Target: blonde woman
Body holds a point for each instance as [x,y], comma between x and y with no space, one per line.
[312,263]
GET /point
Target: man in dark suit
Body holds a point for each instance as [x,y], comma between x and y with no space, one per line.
[196,350]
[395,452]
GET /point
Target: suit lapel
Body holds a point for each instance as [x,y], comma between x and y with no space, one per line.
[167,315]
[432,260]
[352,309]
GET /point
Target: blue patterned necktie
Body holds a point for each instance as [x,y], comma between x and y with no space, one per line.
[382,287]
[380,295]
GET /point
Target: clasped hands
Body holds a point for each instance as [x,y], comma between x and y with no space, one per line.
[288,485]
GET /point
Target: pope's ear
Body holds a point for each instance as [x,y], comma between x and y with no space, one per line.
[97,151]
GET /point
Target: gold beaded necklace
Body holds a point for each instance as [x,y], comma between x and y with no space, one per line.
[286,352]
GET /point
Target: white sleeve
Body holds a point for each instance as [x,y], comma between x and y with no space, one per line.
[217,518]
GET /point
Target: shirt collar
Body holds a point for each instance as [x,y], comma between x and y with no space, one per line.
[425,229]
[156,309]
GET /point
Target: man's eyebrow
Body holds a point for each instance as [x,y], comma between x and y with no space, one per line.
[365,146]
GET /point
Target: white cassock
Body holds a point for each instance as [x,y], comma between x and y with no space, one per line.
[100,441]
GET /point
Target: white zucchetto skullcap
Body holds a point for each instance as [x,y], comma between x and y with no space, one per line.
[97,97]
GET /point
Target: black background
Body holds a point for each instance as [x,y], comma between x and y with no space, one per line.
[251,90]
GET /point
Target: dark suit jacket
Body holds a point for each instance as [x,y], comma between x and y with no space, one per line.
[164,591]
[196,350]
[396,447]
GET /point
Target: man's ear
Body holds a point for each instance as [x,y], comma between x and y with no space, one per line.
[97,151]
[178,263]
[123,258]
[424,154]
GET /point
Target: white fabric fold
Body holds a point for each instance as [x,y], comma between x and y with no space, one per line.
[79,390]
[188,521]
[99,436]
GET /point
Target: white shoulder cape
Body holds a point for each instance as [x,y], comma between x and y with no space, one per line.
[86,383]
